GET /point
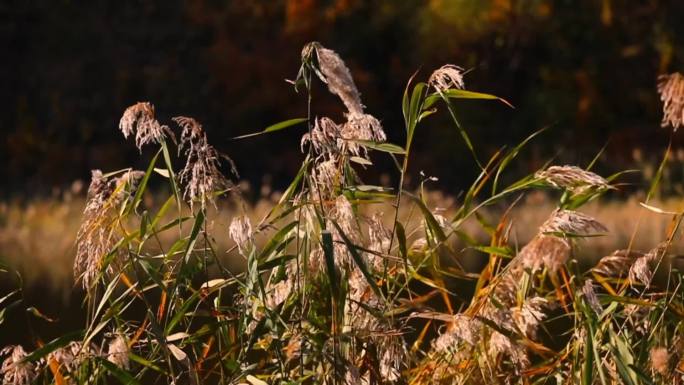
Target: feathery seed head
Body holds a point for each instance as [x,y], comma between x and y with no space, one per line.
[572,223]
[380,239]
[325,176]
[671,90]
[117,351]
[447,77]
[528,317]
[590,296]
[337,76]
[95,237]
[660,358]
[139,118]
[572,178]
[545,251]
[240,231]
[616,264]
[344,214]
[201,173]
[71,356]
[14,370]
[642,269]
[361,127]
[324,136]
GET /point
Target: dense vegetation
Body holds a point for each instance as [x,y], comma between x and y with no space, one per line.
[332,295]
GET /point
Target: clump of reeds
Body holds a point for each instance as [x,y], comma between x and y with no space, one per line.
[334,296]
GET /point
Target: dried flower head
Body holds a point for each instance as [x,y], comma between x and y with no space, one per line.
[324,136]
[95,237]
[671,90]
[343,213]
[360,127]
[392,354]
[380,239]
[337,76]
[545,252]
[590,296]
[500,345]
[528,316]
[325,177]
[571,223]
[572,178]
[117,351]
[278,293]
[660,359]
[139,118]
[642,269]
[14,370]
[240,231]
[462,329]
[72,356]
[447,77]
[616,264]
[201,173]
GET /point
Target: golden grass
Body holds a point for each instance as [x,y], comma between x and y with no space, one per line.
[37,237]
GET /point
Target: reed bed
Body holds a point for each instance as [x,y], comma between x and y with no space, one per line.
[346,282]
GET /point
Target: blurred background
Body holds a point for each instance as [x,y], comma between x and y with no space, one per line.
[586,69]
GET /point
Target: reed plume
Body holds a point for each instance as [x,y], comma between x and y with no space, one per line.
[671,90]
[201,175]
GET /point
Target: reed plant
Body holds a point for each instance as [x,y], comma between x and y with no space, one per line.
[332,295]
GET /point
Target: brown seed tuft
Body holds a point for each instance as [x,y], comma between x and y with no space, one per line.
[660,358]
[139,118]
[337,76]
[14,370]
[201,173]
[572,178]
[572,223]
[671,90]
[447,77]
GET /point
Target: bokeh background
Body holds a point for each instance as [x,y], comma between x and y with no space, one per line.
[585,69]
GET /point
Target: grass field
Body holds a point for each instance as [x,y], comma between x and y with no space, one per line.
[55,221]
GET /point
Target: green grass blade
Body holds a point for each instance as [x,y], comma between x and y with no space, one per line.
[275,127]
